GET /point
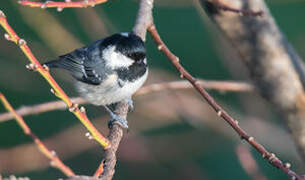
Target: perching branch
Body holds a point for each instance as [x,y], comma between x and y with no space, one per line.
[56,89]
[61,5]
[55,161]
[222,86]
[143,20]
[274,66]
[115,136]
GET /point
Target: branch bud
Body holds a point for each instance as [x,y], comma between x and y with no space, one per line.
[53,153]
[45,67]
[32,67]
[21,42]
[59,9]
[73,107]
[2,14]
[82,109]
[89,136]
[7,37]
[287,165]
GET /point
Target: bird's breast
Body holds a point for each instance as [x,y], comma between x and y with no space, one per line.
[111,90]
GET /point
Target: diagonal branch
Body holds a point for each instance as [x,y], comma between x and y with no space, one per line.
[56,89]
[272,159]
[220,5]
[55,161]
[275,68]
[61,5]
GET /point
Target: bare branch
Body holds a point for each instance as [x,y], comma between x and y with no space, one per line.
[56,89]
[274,66]
[115,136]
[222,86]
[61,5]
[12,177]
[144,18]
[222,6]
[272,159]
[55,161]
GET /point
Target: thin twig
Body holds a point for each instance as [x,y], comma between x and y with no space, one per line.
[55,161]
[272,159]
[56,89]
[219,5]
[61,5]
[276,69]
[99,170]
[222,86]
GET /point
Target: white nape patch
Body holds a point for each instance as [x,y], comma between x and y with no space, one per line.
[126,34]
[115,59]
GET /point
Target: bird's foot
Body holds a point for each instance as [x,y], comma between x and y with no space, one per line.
[116,119]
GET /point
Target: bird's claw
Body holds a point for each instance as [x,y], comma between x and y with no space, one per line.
[116,119]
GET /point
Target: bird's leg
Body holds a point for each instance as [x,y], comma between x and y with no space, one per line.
[116,119]
[130,104]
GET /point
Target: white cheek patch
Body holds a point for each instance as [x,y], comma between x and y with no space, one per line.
[126,34]
[115,59]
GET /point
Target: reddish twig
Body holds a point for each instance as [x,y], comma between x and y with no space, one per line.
[55,161]
[218,4]
[56,89]
[99,170]
[61,5]
[248,163]
[272,159]
[223,86]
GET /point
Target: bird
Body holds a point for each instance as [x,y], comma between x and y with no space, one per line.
[107,71]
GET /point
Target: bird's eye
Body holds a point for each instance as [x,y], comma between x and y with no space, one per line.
[136,56]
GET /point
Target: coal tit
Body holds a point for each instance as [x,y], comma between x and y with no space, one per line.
[107,71]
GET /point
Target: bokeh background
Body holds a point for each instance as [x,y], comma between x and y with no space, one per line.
[173,134]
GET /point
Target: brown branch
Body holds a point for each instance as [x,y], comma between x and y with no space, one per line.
[144,19]
[222,6]
[272,159]
[115,136]
[12,177]
[61,5]
[55,161]
[222,86]
[276,69]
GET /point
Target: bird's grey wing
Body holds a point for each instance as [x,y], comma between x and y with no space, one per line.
[80,66]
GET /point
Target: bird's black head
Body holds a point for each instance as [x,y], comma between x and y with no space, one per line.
[127,44]
[125,53]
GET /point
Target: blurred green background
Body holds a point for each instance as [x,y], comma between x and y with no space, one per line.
[173,134]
